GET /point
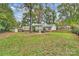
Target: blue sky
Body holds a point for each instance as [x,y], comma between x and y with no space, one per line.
[18,13]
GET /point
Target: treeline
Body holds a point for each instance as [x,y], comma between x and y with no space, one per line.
[67,13]
[38,13]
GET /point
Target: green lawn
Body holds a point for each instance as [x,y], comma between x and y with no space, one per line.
[51,44]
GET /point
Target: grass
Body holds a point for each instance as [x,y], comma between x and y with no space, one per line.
[47,44]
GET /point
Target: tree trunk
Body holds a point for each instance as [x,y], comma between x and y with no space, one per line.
[30,7]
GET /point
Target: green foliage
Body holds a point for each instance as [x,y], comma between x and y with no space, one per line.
[39,14]
[7,21]
[69,13]
[75,29]
[70,22]
[50,15]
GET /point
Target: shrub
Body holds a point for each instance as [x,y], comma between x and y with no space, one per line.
[75,30]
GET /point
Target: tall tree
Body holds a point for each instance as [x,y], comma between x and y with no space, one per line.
[69,12]
[50,14]
[34,14]
[7,20]
[30,7]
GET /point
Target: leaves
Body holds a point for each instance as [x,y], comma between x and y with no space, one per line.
[6,17]
[69,12]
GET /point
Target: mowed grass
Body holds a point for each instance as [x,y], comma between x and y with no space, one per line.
[34,44]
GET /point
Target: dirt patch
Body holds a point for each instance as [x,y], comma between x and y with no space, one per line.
[6,34]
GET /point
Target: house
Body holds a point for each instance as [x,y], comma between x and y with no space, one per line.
[38,27]
[44,27]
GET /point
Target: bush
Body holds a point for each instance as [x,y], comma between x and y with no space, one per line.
[75,30]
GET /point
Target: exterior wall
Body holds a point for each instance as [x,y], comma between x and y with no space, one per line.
[53,27]
[46,28]
[15,30]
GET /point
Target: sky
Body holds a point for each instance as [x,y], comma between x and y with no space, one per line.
[18,13]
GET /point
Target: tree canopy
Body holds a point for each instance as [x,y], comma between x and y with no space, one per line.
[7,21]
[69,12]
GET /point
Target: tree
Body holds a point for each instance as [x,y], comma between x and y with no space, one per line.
[34,14]
[29,6]
[69,12]
[39,12]
[50,14]
[7,21]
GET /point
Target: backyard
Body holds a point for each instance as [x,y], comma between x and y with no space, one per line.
[35,44]
[39,29]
